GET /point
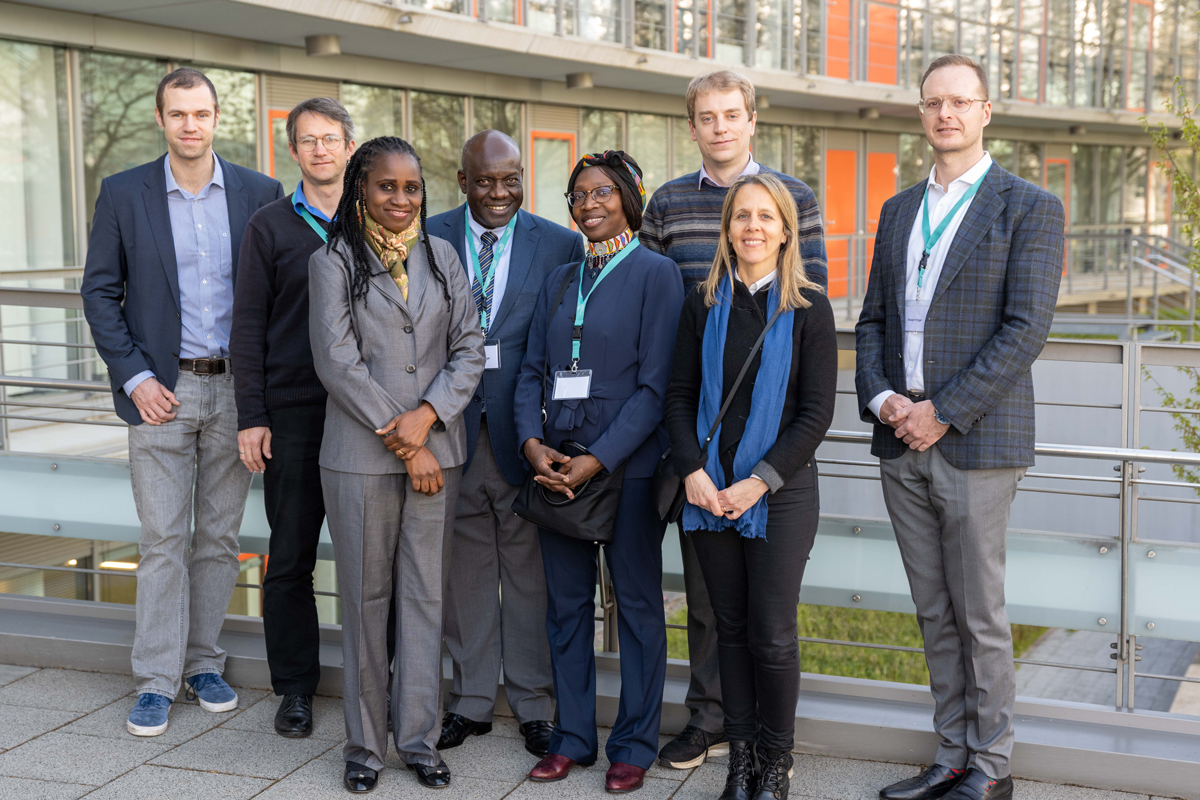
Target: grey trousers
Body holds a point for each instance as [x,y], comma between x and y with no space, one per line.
[390,540]
[704,690]
[186,472]
[495,609]
[950,525]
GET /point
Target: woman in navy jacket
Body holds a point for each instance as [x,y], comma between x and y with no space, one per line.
[628,338]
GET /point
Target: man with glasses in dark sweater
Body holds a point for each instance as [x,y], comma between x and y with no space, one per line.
[280,401]
[683,222]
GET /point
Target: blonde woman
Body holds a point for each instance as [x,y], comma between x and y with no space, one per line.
[752,491]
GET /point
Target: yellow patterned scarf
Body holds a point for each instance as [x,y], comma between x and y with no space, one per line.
[392,248]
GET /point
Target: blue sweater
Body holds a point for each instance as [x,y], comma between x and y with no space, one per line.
[683,223]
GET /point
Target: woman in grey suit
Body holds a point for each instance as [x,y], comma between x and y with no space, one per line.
[397,344]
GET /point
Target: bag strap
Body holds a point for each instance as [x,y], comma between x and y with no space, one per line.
[737,383]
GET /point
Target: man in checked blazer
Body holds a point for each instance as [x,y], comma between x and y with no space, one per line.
[958,305]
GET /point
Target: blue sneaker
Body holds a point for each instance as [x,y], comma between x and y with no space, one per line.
[149,715]
[213,693]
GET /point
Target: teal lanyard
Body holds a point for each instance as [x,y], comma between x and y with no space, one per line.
[312,223]
[931,239]
[497,251]
[581,302]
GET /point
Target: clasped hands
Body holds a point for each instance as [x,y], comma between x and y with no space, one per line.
[730,502]
[914,422]
[572,473]
[405,436]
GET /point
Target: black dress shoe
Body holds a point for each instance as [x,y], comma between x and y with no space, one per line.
[456,728]
[935,781]
[537,736]
[774,775]
[293,719]
[432,777]
[976,785]
[360,779]
[740,780]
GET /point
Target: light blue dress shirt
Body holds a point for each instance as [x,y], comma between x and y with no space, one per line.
[204,259]
[299,200]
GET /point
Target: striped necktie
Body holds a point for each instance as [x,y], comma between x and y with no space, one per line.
[483,297]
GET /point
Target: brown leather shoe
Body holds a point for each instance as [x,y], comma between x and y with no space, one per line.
[551,768]
[622,778]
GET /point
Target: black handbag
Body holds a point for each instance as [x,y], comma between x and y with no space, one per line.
[666,487]
[591,516]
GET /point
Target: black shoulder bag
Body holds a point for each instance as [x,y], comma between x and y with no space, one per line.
[666,487]
[592,515]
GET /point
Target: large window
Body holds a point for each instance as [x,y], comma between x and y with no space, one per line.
[376,110]
[117,113]
[437,134]
[236,138]
[649,140]
[602,130]
[500,115]
[686,154]
[807,153]
[916,159]
[769,146]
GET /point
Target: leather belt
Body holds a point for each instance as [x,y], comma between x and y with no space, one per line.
[916,397]
[205,366]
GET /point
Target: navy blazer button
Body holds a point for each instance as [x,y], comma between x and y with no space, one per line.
[477,399]
[174,355]
[410,369]
[408,328]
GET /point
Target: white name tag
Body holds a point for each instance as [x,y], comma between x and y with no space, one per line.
[491,354]
[572,385]
[914,318]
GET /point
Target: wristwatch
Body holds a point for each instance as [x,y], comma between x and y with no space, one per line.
[940,417]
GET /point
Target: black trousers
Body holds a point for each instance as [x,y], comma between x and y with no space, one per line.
[754,586]
[295,510]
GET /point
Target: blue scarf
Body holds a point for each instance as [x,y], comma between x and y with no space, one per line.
[766,408]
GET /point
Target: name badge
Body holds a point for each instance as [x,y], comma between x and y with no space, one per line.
[572,385]
[914,318]
[491,354]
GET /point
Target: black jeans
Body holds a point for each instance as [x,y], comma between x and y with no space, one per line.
[754,586]
[295,510]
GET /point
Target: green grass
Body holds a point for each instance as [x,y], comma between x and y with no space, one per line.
[859,625]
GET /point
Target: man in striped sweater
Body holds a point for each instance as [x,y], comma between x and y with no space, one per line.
[683,222]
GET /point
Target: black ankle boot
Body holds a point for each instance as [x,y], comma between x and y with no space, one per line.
[739,785]
[774,775]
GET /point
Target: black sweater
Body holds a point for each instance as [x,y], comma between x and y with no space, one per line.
[811,389]
[268,344]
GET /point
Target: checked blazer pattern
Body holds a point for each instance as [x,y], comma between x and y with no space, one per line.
[987,323]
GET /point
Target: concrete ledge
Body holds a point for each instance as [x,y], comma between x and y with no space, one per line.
[1140,751]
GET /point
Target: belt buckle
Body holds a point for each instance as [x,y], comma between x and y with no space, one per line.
[202,366]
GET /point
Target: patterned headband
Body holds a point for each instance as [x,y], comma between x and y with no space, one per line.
[606,158]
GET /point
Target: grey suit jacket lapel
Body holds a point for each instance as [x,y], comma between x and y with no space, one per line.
[985,207]
[155,196]
[520,264]
[382,280]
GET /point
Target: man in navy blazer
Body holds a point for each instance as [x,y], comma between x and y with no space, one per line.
[507,254]
[959,303]
[158,296]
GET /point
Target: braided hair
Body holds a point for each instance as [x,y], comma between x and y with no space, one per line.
[348,224]
[625,173]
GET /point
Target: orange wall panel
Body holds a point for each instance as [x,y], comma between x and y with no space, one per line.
[841,205]
[837,38]
[882,43]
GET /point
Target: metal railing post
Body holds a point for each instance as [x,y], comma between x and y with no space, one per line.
[559,12]
[1122,654]
[1192,309]
[4,443]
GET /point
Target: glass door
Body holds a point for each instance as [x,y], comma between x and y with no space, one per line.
[551,165]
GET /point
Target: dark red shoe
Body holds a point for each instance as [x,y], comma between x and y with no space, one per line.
[622,778]
[551,768]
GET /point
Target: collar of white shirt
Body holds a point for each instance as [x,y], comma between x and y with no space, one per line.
[752,168]
[478,229]
[762,282]
[967,178]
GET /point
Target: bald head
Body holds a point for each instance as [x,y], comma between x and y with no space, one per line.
[491,177]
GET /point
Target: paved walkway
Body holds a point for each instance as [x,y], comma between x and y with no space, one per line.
[62,736]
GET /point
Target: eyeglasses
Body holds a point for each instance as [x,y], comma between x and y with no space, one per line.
[600,194]
[959,105]
[309,143]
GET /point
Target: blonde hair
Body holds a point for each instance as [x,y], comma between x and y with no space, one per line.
[721,80]
[790,274]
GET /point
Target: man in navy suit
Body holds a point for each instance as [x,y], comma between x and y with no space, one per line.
[958,306]
[158,295]
[507,254]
